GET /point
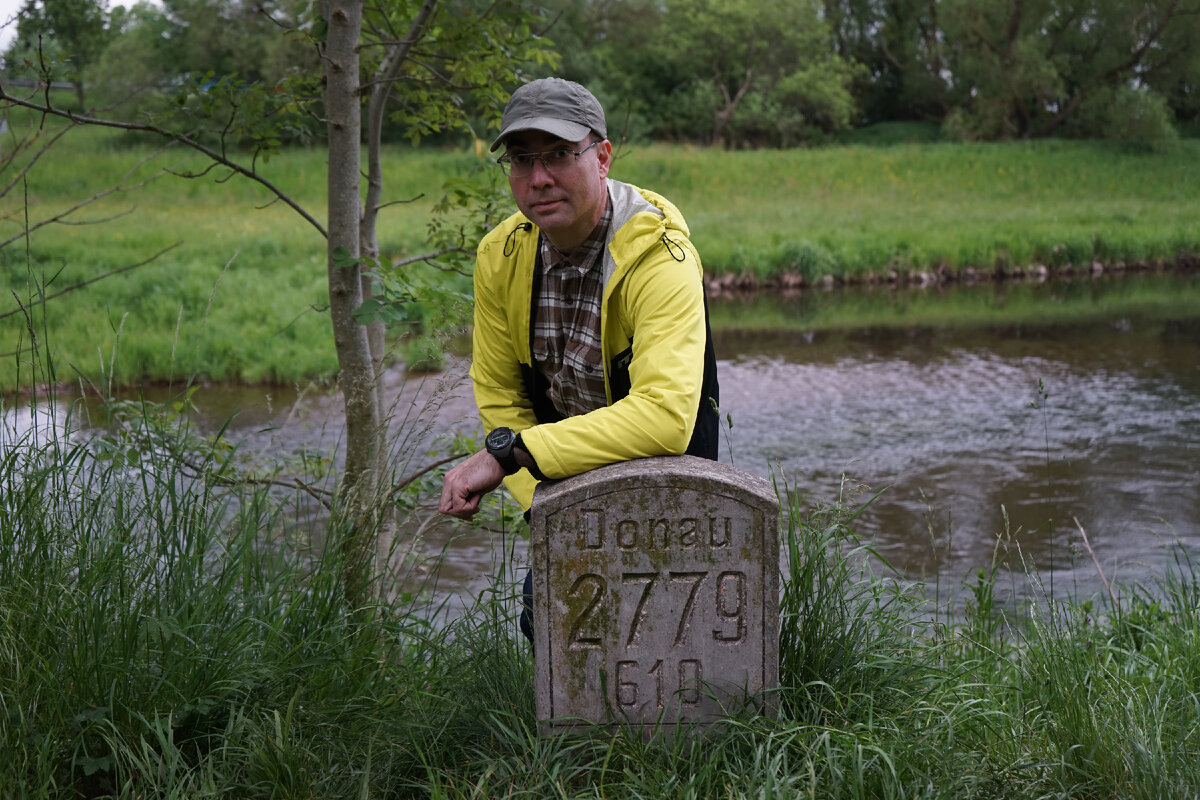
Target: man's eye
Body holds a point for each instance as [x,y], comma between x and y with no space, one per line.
[562,153]
[523,159]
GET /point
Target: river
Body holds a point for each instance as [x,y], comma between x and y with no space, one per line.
[981,436]
[1026,429]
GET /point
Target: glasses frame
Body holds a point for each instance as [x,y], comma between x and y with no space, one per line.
[509,167]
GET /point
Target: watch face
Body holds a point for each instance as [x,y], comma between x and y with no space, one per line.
[499,438]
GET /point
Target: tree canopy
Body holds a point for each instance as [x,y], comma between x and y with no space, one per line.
[738,73]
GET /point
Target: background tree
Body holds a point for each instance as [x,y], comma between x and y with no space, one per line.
[72,33]
[762,71]
[1126,45]
[1025,68]
[1173,72]
[614,47]
[738,73]
[898,44]
[771,73]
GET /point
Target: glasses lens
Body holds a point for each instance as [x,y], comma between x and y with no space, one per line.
[558,157]
[521,164]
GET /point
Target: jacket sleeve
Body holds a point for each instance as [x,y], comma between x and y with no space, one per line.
[500,391]
[661,304]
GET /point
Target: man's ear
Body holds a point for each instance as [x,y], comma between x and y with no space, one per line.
[604,156]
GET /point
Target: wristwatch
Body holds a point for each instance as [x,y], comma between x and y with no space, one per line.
[500,444]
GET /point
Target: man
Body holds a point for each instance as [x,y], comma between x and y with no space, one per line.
[591,338]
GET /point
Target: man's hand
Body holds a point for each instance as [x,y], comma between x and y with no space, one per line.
[466,484]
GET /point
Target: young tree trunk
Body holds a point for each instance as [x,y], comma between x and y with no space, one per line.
[382,82]
[355,522]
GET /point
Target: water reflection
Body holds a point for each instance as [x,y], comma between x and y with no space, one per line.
[978,432]
[31,423]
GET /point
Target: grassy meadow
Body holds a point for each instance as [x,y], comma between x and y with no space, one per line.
[231,286]
[167,639]
[850,210]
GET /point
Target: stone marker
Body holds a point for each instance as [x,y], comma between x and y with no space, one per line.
[655,595]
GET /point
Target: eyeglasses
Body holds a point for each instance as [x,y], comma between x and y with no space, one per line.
[520,165]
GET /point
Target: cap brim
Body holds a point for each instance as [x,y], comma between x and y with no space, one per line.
[563,129]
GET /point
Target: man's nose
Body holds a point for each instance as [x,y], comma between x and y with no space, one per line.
[539,174]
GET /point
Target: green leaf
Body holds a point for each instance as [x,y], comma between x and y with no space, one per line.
[343,258]
[91,765]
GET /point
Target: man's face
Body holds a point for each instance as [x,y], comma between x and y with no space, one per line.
[567,201]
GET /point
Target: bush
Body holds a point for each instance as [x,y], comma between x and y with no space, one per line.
[1124,114]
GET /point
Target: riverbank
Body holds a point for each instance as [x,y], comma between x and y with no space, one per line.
[790,281]
[230,287]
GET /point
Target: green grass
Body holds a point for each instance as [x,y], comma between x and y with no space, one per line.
[240,292]
[846,211]
[162,638]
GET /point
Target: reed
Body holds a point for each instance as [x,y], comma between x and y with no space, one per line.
[165,637]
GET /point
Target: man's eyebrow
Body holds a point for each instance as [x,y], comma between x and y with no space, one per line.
[560,144]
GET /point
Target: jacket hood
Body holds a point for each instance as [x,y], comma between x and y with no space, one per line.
[642,219]
[629,201]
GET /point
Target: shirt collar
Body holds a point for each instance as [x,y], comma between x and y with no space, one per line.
[583,257]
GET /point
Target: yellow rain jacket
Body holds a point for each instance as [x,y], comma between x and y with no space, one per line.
[659,369]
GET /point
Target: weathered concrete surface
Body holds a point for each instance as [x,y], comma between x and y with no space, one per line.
[656,595]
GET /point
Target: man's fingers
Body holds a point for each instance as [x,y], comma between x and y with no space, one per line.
[456,499]
[464,486]
[468,509]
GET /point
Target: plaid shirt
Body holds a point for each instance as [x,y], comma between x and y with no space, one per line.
[566,328]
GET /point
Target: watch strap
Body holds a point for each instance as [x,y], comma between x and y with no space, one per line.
[504,453]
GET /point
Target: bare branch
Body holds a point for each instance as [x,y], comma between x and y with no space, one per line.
[60,218]
[404,262]
[382,81]
[445,268]
[406,481]
[33,160]
[1096,561]
[322,496]
[46,298]
[28,326]
[399,202]
[220,158]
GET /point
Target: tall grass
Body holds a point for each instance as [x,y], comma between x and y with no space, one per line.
[239,292]
[161,638]
[158,636]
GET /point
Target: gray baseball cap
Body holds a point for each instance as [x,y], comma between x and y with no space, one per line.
[556,106]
